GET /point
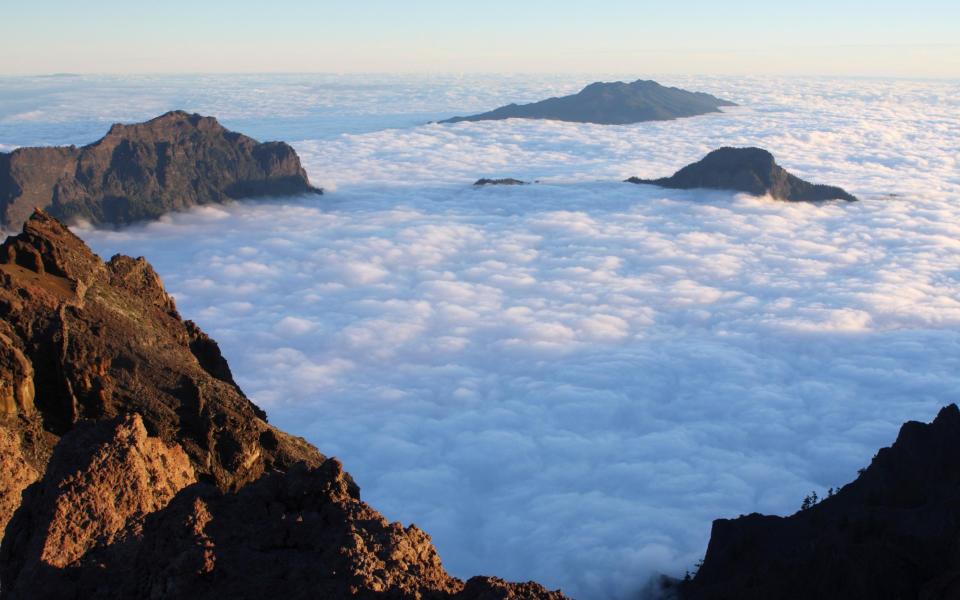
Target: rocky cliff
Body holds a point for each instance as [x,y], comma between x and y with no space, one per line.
[615,103]
[134,466]
[893,533]
[750,170]
[141,171]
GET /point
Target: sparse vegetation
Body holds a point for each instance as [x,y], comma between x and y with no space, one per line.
[809,501]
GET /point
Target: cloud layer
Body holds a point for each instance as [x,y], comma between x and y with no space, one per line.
[568,381]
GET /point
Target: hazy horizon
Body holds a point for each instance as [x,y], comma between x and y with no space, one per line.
[588,75]
[428,36]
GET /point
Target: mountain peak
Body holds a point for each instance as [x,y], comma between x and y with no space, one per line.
[142,170]
[611,103]
[46,246]
[751,170]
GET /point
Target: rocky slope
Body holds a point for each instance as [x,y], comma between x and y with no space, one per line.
[134,467]
[616,103]
[893,533]
[141,171]
[750,170]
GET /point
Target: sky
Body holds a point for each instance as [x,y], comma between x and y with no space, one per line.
[816,37]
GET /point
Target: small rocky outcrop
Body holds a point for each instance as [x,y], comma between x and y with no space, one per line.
[893,533]
[750,170]
[615,103]
[135,467]
[506,181]
[142,171]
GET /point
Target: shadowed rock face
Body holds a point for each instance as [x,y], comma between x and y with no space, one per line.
[894,533]
[142,171]
[611,104]
[750,170]
[506,181]
[134,467]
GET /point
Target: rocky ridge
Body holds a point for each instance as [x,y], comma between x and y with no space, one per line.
[142,171]
[750,170]
[136,468]
[615,103]
[893,533]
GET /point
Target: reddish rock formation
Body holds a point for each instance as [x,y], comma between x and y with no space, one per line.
[136,468]
[893,533]
[141,171]
[18,473]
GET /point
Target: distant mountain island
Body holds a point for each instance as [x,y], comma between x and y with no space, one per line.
[750,170]
[505,181]
[142,171]
[616,103]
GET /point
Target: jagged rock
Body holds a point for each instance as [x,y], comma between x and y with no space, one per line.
[106,340]
[893,533]
[616,103]
[750,170]
[142,471]
[303,534]
[103,479]
[141,171]
[492,588]
[506,181]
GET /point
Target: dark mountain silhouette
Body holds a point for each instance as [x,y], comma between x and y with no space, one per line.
[505,181]
[750,170]
[892,534]
[141,171]
[615,103]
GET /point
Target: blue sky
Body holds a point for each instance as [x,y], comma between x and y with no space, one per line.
[696,36]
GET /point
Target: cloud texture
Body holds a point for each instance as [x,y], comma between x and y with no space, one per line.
[568,381]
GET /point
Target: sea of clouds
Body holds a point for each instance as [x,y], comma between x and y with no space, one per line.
[569,381]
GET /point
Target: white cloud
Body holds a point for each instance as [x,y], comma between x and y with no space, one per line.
[293,326]
[568,381]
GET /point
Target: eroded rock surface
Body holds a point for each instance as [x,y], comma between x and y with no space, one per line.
[141,171]
[18,473]
[136,468]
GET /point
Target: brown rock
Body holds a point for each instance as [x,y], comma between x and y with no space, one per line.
[103,479]
[492,588]
[141,171]
[16,380]
[16,475]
